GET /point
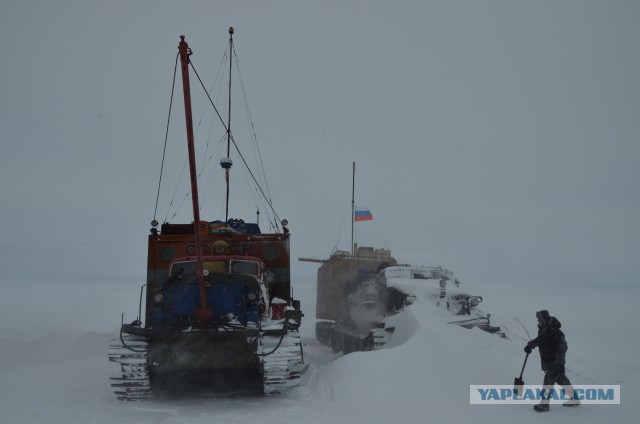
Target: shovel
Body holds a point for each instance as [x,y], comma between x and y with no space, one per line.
[518,384]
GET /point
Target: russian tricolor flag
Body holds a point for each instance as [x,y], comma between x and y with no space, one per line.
[363,215]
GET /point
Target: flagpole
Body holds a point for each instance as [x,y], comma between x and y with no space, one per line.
[353,207]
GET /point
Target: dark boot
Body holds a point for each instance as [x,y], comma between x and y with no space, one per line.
[541,407]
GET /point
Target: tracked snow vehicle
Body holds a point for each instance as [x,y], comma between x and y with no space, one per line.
[358,290]
[345,285]
[219,315]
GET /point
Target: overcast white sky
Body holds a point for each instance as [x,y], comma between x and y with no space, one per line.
[499,138]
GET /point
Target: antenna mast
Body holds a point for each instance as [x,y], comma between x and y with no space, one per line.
[226,163]
[353,208]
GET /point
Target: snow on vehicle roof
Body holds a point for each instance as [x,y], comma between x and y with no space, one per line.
[409,278]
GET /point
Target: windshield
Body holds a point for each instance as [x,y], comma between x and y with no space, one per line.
[187,270]
[245,267]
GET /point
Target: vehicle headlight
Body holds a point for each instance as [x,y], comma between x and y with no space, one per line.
[443,283]
[158,298]
[252,296]
[269,276]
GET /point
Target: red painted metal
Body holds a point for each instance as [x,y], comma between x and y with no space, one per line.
[203,312]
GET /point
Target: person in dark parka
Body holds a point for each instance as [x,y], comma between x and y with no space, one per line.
[553,347]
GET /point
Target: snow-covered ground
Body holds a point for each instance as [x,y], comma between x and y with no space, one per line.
[53,376]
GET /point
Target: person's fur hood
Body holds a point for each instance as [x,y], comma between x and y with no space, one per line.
[549,321]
